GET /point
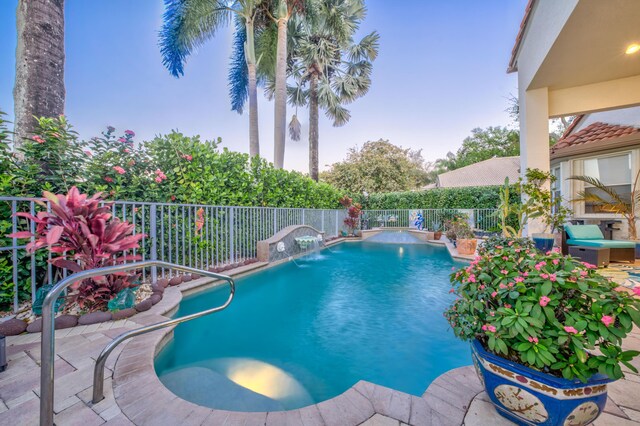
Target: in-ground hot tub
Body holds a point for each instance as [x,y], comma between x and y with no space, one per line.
[305,331]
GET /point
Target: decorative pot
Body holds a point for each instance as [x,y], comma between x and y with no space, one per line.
[543,241]
[437,235]
[637,249]
[466,246]
[529,397]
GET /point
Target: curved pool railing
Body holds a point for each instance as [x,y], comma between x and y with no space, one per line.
[48,331]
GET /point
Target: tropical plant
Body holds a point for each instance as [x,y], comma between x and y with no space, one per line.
[548,312]
[354,211]
[281,12]
[39,84]
[610,201]
[81,234]
[329,68]
[187,24]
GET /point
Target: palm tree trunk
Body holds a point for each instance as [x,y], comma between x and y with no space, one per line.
[254,139]
[280,124]
[39,85]
[313,127]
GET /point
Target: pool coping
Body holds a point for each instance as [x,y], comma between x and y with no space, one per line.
[144,399]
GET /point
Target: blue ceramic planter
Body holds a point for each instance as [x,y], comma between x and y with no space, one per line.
[543,242]
[529,397]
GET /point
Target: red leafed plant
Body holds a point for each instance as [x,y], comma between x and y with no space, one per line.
[82,235]
[353,213]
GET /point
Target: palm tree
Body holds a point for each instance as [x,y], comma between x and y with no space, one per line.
[39,86]
[283,10]
[610,201]
[330,69]
[189,23]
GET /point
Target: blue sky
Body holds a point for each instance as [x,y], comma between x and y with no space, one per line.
[440,73]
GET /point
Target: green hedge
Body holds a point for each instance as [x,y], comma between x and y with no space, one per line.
[479,197]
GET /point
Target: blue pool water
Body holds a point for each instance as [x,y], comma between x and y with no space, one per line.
[304,332]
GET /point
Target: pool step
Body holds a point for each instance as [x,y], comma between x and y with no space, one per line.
[211,389]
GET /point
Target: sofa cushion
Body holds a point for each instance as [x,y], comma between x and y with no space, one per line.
[602,243]
[584,232]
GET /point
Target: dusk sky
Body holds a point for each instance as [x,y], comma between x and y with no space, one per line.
[441,72]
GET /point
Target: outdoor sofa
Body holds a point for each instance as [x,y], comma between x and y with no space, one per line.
[591,236]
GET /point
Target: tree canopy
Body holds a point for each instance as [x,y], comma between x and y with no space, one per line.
[378,166]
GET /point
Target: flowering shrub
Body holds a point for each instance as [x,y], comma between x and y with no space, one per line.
[353,213]
[547,312]
[81,235]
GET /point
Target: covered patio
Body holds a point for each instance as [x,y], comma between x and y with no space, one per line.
[573,57]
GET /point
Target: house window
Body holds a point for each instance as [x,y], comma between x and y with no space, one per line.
[614,172]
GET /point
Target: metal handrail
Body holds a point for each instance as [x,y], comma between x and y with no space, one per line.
[48,331]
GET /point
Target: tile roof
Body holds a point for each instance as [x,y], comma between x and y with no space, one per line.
[489,172]
[592,134]
[513,67]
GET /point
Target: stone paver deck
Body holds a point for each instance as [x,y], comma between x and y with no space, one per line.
[135,395]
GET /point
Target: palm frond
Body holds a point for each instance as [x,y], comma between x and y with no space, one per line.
[295,128]
[367,48]
[602,187]
[238,71]
[187,24]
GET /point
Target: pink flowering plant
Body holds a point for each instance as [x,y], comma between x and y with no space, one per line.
[548,312]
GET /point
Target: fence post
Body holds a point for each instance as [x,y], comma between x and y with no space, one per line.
[322,221]
[275,221]
[231,242]
[337,224]
[303,210]
[153,235]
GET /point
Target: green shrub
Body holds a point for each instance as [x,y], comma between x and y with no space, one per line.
[485,197]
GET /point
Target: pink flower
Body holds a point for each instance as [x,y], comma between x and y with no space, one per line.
[129,133]
[508,306]
[173,198]
[636,291]
[472,278]
[158,179]
[583,274]
[533,339]
[494,294]
[118,170]
[187,157]
[38,139]
[505,258]
[451,290]
[570,330]
[498,247]
[88,153]
[510,243]
[607,320]
[122,140]
[502,286]
[589,265]
[544,276]
[544,301]
[489,327]
[519,279]
[108,179]
[127,150]
[481,287]
[552,277]
[493,314]
[555,261]
[504,272]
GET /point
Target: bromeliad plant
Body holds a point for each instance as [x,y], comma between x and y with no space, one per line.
[547,312]
[81,234]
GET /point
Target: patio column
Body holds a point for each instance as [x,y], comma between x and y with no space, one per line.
[534,139]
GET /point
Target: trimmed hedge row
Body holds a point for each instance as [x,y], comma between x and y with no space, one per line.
[479,197]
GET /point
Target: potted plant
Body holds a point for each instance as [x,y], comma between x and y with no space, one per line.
[608,200]
[545,332]
[436,226]
[460,233]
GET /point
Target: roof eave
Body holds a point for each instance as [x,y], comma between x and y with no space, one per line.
[513,62]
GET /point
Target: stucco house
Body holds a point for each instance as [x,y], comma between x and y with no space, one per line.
[575,57]
[604,145]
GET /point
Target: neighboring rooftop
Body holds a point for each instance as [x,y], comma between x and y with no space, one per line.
[599,131]
[489,172]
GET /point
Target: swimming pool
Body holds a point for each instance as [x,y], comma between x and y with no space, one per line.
[305,331]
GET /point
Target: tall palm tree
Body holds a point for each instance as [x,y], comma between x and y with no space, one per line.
[189,23]
[283,10]
[39,86]
[330,69]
